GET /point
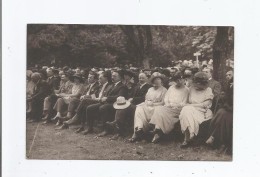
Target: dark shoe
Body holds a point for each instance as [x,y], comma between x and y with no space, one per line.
[80,129]
[89,130]
[222,149]
[115,137]
[73,120]
[64,126]
[139,133]
[45,117]
[104,133]
[156,138]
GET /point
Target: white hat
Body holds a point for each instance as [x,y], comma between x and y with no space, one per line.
[121,103]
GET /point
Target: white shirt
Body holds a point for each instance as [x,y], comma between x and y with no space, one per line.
[117,83]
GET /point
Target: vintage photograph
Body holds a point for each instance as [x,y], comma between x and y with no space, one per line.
[129,92]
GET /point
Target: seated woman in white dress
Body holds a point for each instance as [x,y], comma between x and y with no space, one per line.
[165,117]
[144,111]
[198,108]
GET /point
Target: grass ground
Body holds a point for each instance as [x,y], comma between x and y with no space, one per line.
[67,145]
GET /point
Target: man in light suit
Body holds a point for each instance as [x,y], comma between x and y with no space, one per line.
[76,103]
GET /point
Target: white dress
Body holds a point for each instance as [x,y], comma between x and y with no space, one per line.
[165,117]
[144,111]
[191,117]
[76,89]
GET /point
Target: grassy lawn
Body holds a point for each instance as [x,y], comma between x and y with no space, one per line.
[65,144]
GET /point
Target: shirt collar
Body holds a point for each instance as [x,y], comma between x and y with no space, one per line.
[142,85]
[117,83]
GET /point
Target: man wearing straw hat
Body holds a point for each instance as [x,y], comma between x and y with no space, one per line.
[125,112]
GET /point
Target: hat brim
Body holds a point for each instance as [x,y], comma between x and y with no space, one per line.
[201,85]
[156,77]
[124,106]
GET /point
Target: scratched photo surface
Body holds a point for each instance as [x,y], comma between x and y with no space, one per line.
[129,92]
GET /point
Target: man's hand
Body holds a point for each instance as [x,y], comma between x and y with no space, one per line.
[130,100]
[82,97]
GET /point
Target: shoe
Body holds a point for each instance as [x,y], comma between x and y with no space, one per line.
[55,118]
[115,137]
[45,117]
[139,132]
[104,133]
[58,123]
[134,138]
[185,144]
[111,124]
[80,129]
[210,140]
[64,126]
[89,130]
[73,120]
[222,149]
[156,138]
[46,122]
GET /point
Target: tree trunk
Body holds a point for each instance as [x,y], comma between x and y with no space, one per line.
[220,53]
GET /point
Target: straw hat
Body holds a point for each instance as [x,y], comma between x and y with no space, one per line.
[121,103]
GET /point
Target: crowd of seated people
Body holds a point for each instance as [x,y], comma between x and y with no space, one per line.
[144,102]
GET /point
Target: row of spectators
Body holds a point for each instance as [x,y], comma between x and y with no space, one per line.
[153,102]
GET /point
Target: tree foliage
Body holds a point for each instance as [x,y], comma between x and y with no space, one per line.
[113,45]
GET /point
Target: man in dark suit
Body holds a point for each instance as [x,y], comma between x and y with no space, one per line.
[78,105]
[124,116]
[104,88]
[213,84]
[42,89]
[53,79]
[105,109]
[216,89]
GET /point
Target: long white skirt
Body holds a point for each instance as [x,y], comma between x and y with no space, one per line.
[165,118]
[191,117]
[143,114]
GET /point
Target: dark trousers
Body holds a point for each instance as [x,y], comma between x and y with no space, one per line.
[105,112]
[81,109]
[37,105]
[125,116]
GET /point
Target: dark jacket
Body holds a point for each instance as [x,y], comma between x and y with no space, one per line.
[139,95]
[106,90]
[228,105]
[94,89]
[54,82]
[42,89]
[215,86]
[119,90]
